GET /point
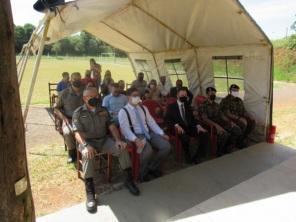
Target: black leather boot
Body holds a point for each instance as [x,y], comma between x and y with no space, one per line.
[71,156]
[129,183]
[91,204]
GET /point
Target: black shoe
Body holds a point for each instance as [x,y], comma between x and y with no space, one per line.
[129,183]
[71,156]
[147,178]
[196,161]
[131,186]
[91,204]
[155,173]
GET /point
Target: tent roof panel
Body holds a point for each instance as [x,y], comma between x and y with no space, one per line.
[114,38]
[159,25]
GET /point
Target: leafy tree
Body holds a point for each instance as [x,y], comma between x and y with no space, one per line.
[29,28]
[19,33]
[81,44]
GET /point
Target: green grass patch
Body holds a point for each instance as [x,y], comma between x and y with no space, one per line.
[52,67]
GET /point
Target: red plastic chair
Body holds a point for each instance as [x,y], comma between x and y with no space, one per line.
[170,100]
[199,100]
[153,106]
[135,157]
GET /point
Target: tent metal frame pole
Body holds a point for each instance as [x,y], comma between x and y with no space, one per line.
[163,24]
[23,67]
[197,71]
[21,63]
[126,36]
[36,67]
[132,64]
[156,65]
[271,91]
[26,52]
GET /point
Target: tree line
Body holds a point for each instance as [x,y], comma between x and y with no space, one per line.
[80,44]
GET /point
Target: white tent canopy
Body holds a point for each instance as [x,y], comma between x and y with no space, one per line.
[192,32]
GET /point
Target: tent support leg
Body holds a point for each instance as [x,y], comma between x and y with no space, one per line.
[36,67]
[23,67]
[132,64]
[197,72]
[156,66]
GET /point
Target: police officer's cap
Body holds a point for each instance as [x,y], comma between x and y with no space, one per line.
[233,86]
[210,88]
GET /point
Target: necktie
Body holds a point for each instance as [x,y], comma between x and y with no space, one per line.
[183,113]
[141,124]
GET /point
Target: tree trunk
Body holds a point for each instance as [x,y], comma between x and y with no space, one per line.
[16,203]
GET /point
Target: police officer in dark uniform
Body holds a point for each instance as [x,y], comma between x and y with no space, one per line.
[233,110]
[91,124]
[210,113]
[69,100]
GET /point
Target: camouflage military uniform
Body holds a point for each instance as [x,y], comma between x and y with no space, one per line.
[235,106]
[94,127]
[211,110]
[68,101]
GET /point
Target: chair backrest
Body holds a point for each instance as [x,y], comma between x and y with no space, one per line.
[170,100]
[52,87]
[199,100]
[152,106]
[52,93]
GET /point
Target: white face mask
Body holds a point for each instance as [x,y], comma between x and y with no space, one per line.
[136,100]
[235,93]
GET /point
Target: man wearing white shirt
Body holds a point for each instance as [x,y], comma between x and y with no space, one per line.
[164,86]
[138,126]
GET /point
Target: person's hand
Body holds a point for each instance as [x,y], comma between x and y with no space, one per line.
[139,143]
[66,120]
[120,145]
[219,129]
[89,152]
[201,129]
[179,129]
[166,137]
[243,120]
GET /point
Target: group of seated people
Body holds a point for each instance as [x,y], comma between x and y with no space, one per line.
[106,121]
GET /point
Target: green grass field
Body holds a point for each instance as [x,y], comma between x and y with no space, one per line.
[51,69]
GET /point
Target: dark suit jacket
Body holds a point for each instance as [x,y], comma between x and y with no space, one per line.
[173,116]
[174,91]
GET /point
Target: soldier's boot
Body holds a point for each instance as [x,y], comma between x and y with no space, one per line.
[129,183]
[71,156]
[91,204]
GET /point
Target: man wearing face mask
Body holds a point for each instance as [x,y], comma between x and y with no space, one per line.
[180,117]
[138,126]
[210,113]
[179,85]
[114,102]
[233,111]
[140,84]
[69,100]
[91,124]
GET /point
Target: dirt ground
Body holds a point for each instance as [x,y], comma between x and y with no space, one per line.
[55,184]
